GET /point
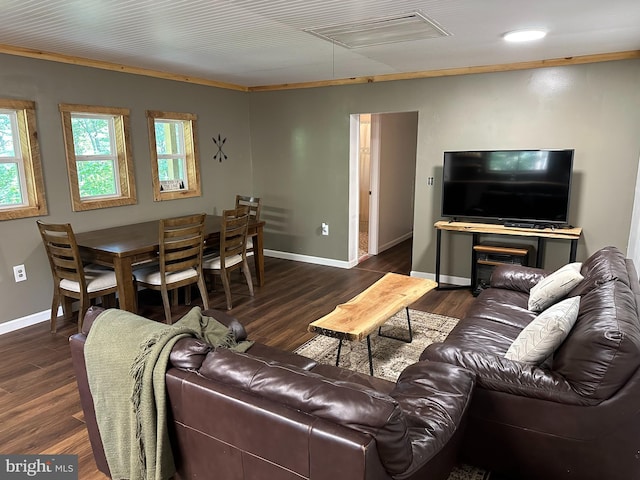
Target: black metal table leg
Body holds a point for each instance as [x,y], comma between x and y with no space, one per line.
[370,356]
[438,247]
[339,348]
[573,251]
[380,334]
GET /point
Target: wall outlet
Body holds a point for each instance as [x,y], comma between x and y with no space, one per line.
[325,228]
[19,273]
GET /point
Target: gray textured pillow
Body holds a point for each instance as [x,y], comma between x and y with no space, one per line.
[555,286]
[545,333]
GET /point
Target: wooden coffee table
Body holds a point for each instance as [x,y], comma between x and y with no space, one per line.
[360,316]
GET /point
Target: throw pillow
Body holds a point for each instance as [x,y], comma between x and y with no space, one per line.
[545,333]
[555,286]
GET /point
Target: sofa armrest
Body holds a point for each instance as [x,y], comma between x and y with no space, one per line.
[516,277]
[434,398]
[494,372]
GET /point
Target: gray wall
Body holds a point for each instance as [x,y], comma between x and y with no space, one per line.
[398,140]
[48,84]
[300,144]
[292,149]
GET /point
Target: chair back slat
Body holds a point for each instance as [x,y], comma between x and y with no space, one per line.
[254,204]
[181,243]
[233,235]
[63,253]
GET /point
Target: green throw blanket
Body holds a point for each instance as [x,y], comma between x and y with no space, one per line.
[212,331]
[126,359]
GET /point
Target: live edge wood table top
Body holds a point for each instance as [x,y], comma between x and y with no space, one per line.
[361,315]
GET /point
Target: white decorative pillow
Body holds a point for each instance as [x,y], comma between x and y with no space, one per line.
[555,286]
[545,333]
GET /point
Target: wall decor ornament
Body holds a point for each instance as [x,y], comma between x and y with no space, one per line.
[220,155]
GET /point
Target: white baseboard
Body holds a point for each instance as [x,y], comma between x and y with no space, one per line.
[329,262]
[443,278]
[33,319]
[393,243]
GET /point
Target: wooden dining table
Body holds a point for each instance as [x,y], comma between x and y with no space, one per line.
[125,246]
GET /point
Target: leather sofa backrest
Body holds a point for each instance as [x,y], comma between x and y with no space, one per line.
[361,409]
[603,266]
[602,350]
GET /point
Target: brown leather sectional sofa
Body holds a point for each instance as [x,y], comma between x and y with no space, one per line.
[577,417]
[271,414]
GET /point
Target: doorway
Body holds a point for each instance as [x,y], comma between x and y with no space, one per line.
[382,182]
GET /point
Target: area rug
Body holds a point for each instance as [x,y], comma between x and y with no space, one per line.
[391,356]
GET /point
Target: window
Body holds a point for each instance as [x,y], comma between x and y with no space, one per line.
[174,157]
[21,182]
[99,160]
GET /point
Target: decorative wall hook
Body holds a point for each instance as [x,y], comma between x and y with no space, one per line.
[220,155]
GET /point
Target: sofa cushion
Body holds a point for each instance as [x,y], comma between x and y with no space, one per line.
[516,277]
[545,333]
[362,409]
[554,287]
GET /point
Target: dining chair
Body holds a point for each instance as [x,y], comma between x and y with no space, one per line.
[255,205]
[181,241]
[72,279]
[233,250]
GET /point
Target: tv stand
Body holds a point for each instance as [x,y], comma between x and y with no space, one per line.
[538,231]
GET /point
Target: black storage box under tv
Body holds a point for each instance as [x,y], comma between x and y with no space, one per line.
[487,257]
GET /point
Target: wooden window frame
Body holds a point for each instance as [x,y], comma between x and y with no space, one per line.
[126,176]
[188,120]
[34,194]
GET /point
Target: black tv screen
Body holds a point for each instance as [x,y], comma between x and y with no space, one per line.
[508,186]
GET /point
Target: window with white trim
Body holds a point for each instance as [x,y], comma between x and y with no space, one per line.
[99,159]
[21,182]
[174,156]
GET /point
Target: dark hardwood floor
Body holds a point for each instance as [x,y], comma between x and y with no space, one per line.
[41,410]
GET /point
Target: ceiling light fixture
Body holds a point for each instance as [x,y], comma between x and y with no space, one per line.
[524,35]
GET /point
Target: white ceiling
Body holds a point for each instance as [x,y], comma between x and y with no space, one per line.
[263,42]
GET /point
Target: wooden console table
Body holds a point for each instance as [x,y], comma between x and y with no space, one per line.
[476,229]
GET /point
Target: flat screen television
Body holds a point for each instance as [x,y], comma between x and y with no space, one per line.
[527,188]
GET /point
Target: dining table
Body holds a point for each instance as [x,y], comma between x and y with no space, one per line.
[124,247]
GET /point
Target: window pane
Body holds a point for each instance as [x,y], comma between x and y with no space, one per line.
[96,178]
[6,136]
[91,136]
[171,169]
[169,138]
[10,180]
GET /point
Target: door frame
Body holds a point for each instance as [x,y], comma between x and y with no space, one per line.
[354,187]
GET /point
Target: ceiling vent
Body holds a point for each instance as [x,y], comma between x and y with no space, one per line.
[399,28]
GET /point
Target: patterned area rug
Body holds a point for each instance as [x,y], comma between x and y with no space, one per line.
[391,356]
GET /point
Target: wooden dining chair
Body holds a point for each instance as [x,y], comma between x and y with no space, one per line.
[179,261]
[255,205]
[72,279]
[233,250]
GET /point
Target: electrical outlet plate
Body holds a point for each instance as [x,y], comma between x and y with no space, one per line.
[19,273]
[325,228]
